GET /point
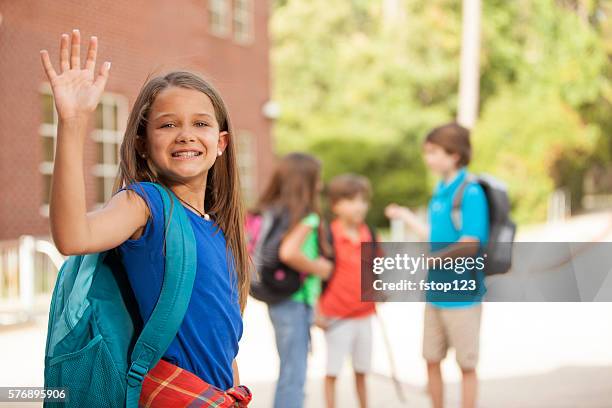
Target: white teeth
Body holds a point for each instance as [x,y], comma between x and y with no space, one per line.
[186,154]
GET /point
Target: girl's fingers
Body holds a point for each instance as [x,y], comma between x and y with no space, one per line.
[46,61]
[103,76]
[64,54]
[90,64]
[75,52]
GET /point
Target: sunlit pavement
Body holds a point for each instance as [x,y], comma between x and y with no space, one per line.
[532,354]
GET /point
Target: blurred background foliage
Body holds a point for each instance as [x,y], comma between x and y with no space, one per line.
[360,83]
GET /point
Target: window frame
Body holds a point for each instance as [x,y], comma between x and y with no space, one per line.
[247,164]
[47,130]
[222,27]
[245,16]
[109,138]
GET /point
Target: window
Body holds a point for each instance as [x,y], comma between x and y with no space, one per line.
[48,133]
[243,21]
[245,148]
[218,17]
[109,125]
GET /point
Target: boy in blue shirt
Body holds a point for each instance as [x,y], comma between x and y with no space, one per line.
[451,320]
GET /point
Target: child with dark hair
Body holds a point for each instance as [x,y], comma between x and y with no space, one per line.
[451,322]
[346,319]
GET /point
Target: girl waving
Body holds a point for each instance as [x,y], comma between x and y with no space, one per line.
[178,135]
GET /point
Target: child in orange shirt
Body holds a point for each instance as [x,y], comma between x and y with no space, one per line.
[348,320]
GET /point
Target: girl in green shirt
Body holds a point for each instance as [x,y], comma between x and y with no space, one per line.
[294,188]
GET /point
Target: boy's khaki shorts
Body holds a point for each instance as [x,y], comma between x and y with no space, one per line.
[458,328]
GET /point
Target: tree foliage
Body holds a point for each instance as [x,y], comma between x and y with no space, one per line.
[360,86]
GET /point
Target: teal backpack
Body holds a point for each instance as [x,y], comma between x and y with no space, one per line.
[97,348]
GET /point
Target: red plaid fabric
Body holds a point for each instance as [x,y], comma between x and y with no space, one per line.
[167,385]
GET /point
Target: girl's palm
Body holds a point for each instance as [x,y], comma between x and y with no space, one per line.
[76,91]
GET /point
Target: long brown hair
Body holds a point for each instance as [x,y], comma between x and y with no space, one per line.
[222,195]
[293,186]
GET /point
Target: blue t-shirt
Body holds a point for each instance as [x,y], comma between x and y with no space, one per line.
[474,224]
[207,340]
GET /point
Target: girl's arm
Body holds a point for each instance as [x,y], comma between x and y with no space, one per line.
[290,253]
[236,374]
[76,93]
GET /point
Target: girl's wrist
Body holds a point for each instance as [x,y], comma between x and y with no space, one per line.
[72,130]
[75,126]
[79,119]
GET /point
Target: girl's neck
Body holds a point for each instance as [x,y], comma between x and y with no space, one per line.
[192,195]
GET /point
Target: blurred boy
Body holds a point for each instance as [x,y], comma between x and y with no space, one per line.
[347,320]
[451,322]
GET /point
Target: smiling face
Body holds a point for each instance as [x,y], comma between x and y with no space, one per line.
[183,135]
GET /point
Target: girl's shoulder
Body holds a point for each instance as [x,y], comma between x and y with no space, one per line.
[149,193]
[155,205]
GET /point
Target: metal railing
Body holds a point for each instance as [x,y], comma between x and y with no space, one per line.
[28,269]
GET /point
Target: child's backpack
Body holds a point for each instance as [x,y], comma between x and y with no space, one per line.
[501,227]
[253,230]
[97,347]
[272,281]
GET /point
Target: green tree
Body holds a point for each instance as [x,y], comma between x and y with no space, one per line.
[361,88]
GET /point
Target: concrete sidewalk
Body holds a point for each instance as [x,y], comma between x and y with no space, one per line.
[532,355]
[568,387]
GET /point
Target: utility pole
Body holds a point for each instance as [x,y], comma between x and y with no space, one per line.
[469,80]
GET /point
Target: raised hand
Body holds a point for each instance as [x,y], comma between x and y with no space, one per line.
[76,91]
[393,211]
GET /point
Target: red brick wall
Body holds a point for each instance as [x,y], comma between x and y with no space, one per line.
[140,38]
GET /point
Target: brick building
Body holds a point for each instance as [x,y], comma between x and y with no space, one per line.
[226,40]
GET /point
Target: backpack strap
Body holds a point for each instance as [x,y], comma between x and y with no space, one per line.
[161,328]
[325,232]
[372,230]
[458,199]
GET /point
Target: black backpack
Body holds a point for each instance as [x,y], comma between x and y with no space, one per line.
[271,280]
[501,227]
